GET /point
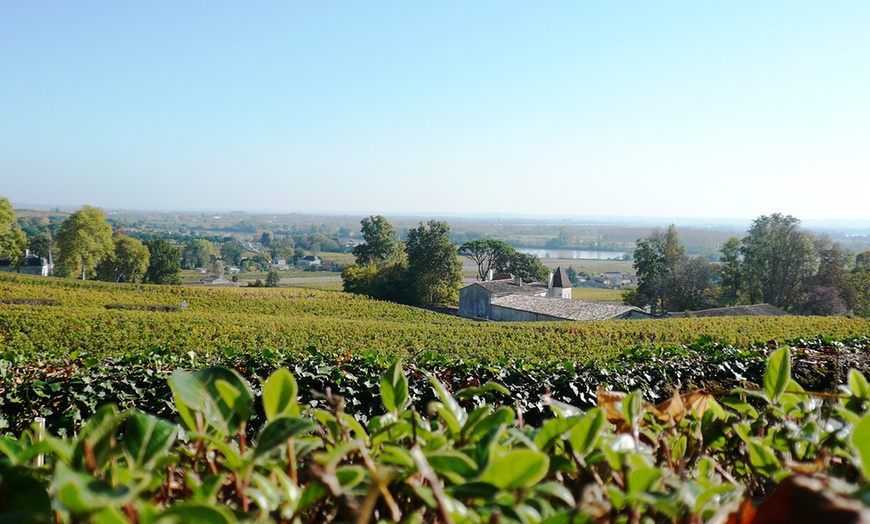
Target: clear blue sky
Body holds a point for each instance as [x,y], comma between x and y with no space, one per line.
[693,109]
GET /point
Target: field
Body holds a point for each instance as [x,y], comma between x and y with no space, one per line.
[107,319]
[613,296]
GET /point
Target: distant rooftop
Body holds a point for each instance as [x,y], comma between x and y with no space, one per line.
[565,308]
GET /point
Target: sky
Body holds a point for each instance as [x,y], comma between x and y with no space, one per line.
[578,108]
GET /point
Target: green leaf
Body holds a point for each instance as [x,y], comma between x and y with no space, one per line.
[858,384]
[481,490]
[232,395]
[279,395]
[394,389]
[632,407]
[99,432]
[221,395]
[186,512]
[452,464]
[147,439]
[519,468]
[22,497]
[763,458]
[553,430]
[502,415]
[458,414]
[482,390]
[641,480]
[189,394]
[778,374]
[861,443]
[585,433]
[555,490]
[82,493]
[281,430]
[350,476]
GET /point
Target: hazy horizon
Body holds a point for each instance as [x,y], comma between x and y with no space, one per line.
[569,109]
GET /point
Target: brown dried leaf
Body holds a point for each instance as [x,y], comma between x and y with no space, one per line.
[697,402]
[610,401]
[672,410]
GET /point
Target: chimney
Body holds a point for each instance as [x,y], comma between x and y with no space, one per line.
[489,275]
[518,281]
[550,281]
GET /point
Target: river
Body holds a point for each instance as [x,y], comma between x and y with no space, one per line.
[582,254]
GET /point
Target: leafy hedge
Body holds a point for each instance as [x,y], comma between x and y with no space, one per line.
[65,391]
[787,454]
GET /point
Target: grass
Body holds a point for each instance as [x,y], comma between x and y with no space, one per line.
[613,296]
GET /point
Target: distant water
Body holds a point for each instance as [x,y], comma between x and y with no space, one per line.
[573,253]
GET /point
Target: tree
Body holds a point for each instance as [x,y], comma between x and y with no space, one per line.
[164,266]
[381,243]
[433,267]
[126,263]
[13,241]
[730,272]
[526,266]
[40,245]
[778,257]
[488,254]
[860,282]
[387,282]
[232,252]
[656,259]
[197,252]
[691,288]
[832,261]
[573,276]
[266,239]
[84,239]
[273,279]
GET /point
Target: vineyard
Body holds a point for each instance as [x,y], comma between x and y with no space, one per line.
[70,351]
[66,346]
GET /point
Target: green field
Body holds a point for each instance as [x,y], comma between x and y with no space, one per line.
[613,296]
[109,319]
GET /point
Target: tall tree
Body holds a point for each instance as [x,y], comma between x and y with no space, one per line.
[778,257]
[730,272]
[13,241]
[381,243]
[830,292]
[488,254]
[84,239]
[656,259]
[127,262]
[691,286]
[164,266]
[433,267]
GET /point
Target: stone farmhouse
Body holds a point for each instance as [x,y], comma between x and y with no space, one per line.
[508,298]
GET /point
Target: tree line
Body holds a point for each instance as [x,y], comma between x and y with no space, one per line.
[776,262]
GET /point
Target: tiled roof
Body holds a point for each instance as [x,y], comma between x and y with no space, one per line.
[501,287]
[564,308]
[765,310]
